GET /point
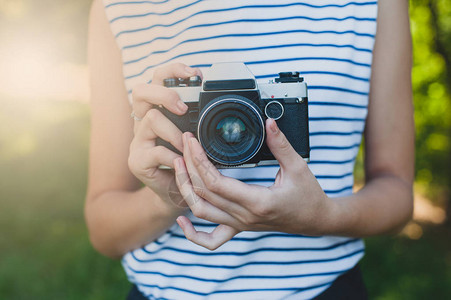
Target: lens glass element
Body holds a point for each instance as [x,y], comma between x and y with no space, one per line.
[231,130]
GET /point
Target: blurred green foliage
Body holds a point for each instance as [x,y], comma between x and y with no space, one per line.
[431,79]
[44,248]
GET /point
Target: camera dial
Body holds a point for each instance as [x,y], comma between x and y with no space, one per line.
[287,77]
[274,110]
[182,82]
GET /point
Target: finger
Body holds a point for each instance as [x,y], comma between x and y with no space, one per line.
[199,206]
[214,181]
[210,240]
[154,125]
[176,70]
[240,193]
[281,148]
[144,160]
[145,96]
[184,184]
[188,159]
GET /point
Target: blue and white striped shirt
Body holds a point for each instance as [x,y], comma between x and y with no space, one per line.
[330,43]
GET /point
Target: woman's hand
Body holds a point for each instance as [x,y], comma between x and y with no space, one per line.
[145,156]
[295,203]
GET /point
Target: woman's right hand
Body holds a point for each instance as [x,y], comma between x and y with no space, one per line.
[145,156]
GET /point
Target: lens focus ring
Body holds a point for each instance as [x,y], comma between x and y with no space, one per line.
[231,130]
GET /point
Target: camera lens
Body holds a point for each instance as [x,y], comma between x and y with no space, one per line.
[231,130]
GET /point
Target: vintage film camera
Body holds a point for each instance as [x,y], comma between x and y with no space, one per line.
[227,113]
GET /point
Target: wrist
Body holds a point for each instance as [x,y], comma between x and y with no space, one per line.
[329,218]
[339,217]
[172,207]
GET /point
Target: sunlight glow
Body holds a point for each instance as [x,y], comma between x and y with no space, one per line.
[13,8]
[29,70]
[20,146]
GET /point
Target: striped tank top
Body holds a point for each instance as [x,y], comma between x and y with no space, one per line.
[330,42]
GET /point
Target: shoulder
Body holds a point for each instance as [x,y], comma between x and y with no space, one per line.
[98,23]
[101,42]
[97,8]
[104,57]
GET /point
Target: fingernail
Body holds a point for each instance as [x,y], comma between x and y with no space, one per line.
[189,70]
[187,137]
[182,106]
[192,141]
[179,221]
[177,164]
[273,126]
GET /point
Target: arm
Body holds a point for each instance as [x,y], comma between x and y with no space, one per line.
[121,214]
[296,203]
[385,203]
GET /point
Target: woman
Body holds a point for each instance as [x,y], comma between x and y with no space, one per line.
[292,233]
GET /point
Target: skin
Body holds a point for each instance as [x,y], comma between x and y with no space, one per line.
[122,214]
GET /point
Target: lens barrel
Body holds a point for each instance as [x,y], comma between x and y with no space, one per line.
[231,130]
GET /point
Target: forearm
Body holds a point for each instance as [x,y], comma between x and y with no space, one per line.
[383,205]
[386,201]
[119,221]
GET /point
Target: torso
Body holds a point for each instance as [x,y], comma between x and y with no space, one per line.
[330,43]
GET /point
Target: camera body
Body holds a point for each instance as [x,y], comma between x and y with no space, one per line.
[227,114]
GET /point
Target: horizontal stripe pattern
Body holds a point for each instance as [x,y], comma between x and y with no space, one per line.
[202,277]
[330,43]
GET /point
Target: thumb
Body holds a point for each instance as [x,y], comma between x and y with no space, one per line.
[280,147]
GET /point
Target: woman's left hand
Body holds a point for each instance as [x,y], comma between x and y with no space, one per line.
[295,203]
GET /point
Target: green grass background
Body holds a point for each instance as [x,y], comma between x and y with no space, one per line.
[44,248]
